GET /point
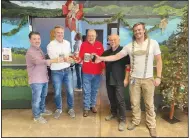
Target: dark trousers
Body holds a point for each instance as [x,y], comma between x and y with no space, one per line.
[78,68]
[117,100]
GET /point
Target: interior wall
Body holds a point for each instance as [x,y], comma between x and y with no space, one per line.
[84,26]
[45,25]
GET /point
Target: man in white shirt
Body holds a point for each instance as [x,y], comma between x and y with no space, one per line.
[61,72]
[142,52]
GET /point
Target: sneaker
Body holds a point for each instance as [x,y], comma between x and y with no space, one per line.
[78,89]
[131,126]
[94,109]
[40,120]
[152,132]
[110,117]
[71,112]
[46,112]
[122,126]
[85,113]
[57,113]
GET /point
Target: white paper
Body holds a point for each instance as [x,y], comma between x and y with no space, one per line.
[6,54]
[113,30]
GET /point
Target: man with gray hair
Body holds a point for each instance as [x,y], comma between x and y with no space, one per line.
[142,52]
[91,71]
[115,74]
[61,72]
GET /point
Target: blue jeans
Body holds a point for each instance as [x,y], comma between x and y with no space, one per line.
[58,77]
[91,83]
[39,93]
[79,75]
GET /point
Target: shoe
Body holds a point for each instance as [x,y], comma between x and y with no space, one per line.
[78,89]
[131,126]
[122,126]
[40,120]
[93,109]
[85,113]
[110,117]
[71,112]
[46,112]
[153,132]
[57,113]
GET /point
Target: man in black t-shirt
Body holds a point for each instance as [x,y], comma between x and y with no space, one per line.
[115,75]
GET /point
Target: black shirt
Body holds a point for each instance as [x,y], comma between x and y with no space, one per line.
[115,71]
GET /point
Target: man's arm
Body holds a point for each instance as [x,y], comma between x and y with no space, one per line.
[109,58]
[159,65]
[158,69]
[38,61]
[115,57]
[157,54]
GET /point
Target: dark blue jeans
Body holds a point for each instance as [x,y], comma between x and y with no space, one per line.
[79,75]
[91,83]
[65,77]
[39,93]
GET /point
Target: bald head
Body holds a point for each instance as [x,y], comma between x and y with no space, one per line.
[114,40]
[113,36]
[91,36]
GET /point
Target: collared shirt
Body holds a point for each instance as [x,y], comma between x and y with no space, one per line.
[139,60]
[115,70]
[55,49]
[36,66]
[91,67]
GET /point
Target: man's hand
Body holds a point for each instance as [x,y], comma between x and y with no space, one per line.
[65,59]
[98,59]
[70,60]
[157,81]
[126,82]
[60,60]
[77,60]
[56,60]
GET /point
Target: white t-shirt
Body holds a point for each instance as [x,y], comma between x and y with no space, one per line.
[56,48]
[139,60]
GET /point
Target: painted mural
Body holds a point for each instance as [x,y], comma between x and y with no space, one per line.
[161,18]
[18,43]
[158,34]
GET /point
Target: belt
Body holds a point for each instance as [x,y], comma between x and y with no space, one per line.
[65,69]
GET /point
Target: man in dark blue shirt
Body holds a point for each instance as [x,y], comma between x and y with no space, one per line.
[115,76]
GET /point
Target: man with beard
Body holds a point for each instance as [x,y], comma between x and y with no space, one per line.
[142,52]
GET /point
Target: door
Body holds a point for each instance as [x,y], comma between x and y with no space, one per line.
[113,28]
